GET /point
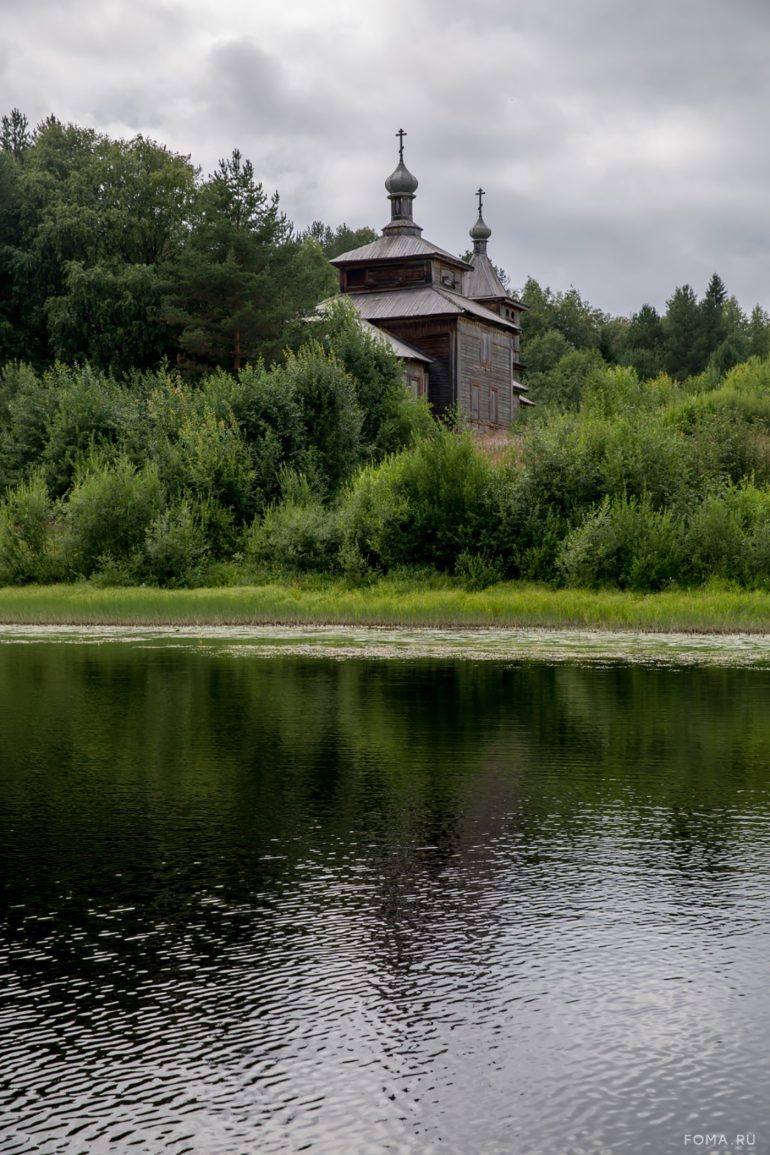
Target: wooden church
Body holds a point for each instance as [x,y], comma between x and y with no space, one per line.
[451,322]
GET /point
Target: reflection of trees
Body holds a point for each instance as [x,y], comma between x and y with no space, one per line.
[437,752]
[423,840]
[218,760]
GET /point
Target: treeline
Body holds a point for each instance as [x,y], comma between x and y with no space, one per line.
[119,254]
[565,339]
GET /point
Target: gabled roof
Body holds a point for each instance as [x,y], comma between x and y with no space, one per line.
[401,348]
[483,283]
[393,248]
[426,301]
[482,280]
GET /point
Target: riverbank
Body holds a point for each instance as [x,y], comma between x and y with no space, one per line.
[391,603]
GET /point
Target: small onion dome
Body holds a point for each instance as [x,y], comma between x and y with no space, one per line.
[481,230]
[401,182]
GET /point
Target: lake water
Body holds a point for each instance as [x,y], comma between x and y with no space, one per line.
[288,903]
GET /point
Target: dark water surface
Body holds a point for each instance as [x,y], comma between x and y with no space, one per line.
[274,905]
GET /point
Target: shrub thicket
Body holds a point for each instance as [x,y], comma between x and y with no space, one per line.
[424,506]
[324,464]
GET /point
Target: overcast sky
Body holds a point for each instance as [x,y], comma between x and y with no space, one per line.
[623,144]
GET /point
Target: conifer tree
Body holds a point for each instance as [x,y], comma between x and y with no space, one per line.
[682,327]
[242,273]
[712,319]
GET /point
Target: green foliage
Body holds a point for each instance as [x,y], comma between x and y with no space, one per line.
[97,218]
[108,513]
[478,571]
[340,240]
[114,252]
[683,334]
[644,346]
[28,545]
[562,387]
[27,404]
[545,351]
[176,545]
[624,542]
[426,506]
[331,415]
[108,314]
[91,410]
[241,274]
[391,418]
[567,313]
[729,537]
[210,460]
[758,334]
[15,137]
[299,533]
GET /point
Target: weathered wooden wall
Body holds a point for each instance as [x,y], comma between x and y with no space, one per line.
[436,339]
[492,374]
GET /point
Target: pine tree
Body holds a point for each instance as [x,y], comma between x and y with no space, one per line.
[15,137]
[683,328]
[242,274]
[758,330]
[712,320]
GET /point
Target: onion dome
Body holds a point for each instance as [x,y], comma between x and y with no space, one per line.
[401,182]
[401,186]
[481,232]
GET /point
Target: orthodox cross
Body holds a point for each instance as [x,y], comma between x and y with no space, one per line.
[480,193]
[401,134]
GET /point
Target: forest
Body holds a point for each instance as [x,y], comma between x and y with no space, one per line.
[170,415]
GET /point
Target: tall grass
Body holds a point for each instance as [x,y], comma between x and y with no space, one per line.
[391,602]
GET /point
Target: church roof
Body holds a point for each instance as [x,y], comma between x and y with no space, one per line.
[482,280]
[391,248]
[427,301]
[401,348]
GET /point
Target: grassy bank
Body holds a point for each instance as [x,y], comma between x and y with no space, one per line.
[390,602]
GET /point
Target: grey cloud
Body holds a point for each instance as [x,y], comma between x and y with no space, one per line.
[621,144]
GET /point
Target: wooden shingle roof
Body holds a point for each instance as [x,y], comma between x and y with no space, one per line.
[426,301]
[394,248]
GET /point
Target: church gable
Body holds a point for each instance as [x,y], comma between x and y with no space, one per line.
[455,313]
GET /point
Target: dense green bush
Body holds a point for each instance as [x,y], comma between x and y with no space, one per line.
[28,542]
[27,404]
[426,505]
[624,542]
[331,414]
[108,513]
[729,536]
[176,545]
[298,533]
[562,386]
[391,418]
[640,484]
[92,410]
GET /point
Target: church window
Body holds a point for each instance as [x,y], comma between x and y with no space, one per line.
[486,350]
[493,406]
[475,401]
